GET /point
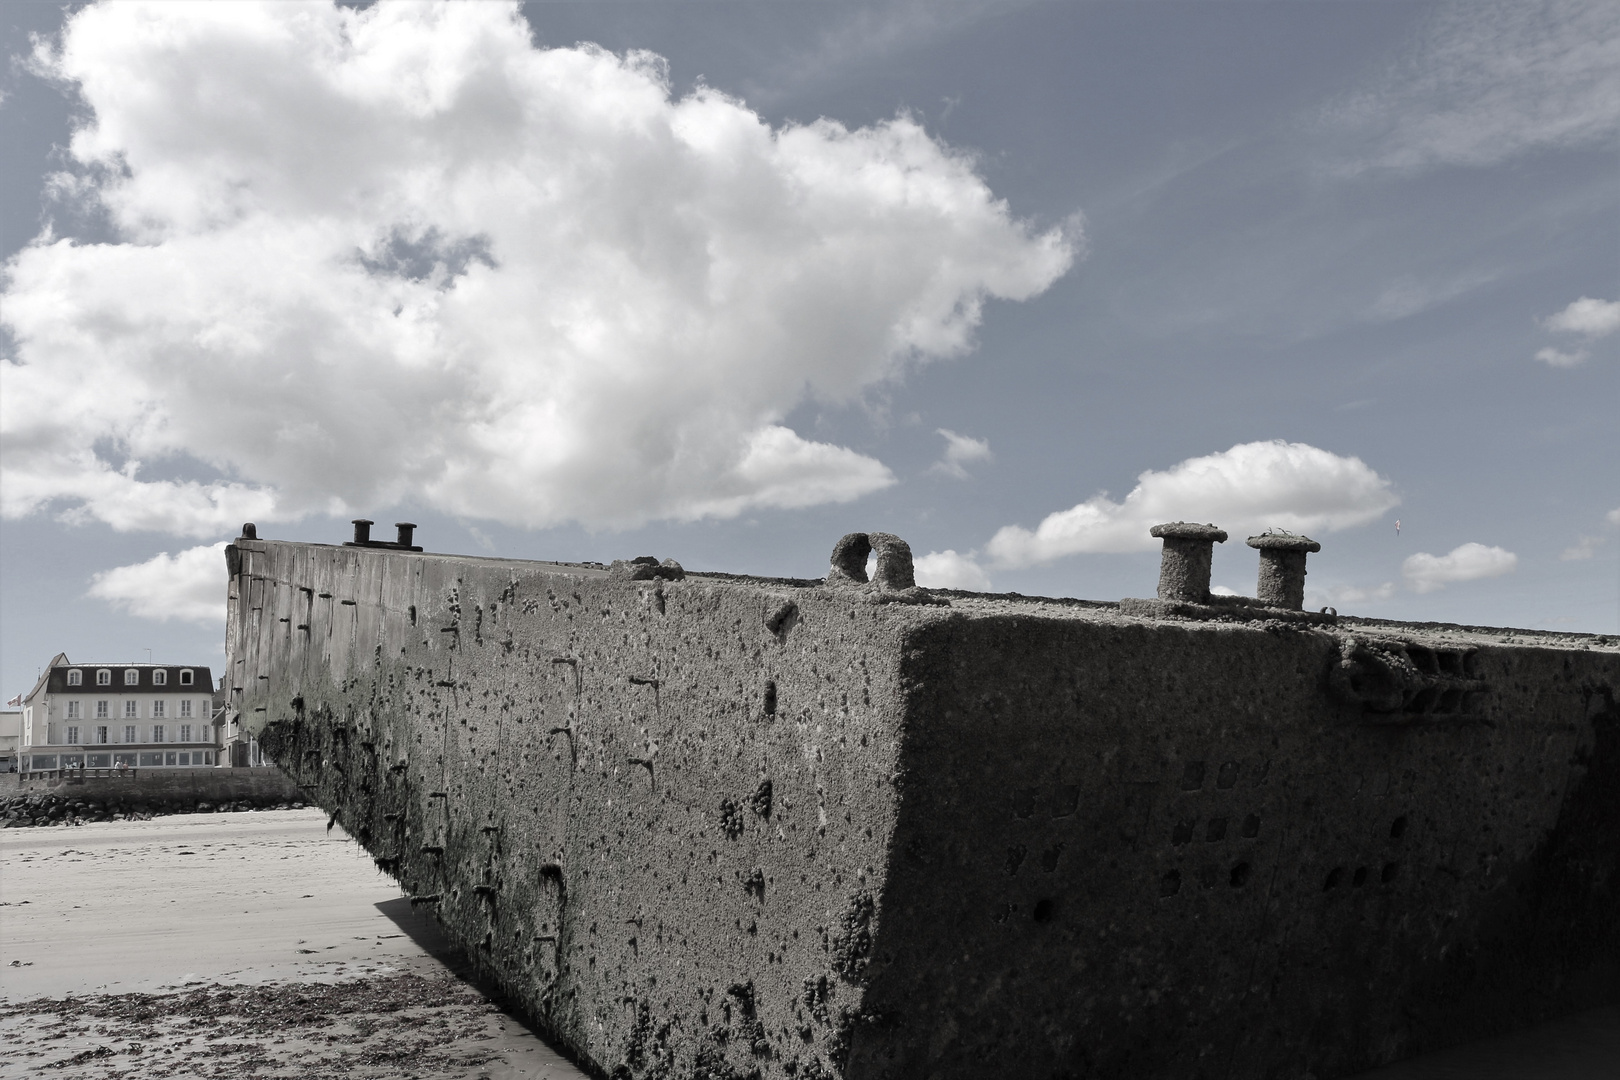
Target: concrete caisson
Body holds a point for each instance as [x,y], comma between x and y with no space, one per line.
[708,826]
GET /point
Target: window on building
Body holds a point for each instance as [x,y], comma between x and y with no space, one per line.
[103,677]
[186,677]
[73,735]
[75,677]
[73,712]
[159,708]
[129,733]
[185,707]
[101,733]
[160,678]
[132,677]
[185,732]
[132,708]
[157,732]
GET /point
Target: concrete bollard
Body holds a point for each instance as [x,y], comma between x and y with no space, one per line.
[895,571]
[362,531]
[1282,568]
[1184,565]
[849,560]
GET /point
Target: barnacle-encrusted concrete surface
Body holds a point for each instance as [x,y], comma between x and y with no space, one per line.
[727,827]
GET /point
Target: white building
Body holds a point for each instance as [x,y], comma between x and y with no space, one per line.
[10,739]
[108,716]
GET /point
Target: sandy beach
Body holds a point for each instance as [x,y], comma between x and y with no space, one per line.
[231,945]
[261,944]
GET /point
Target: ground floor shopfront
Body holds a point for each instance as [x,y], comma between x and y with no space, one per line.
[120,758]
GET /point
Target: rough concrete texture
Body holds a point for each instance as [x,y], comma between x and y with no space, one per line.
[724,827]
[1282,568]
[1184,566]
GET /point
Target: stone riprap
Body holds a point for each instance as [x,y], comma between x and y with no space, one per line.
[710,826]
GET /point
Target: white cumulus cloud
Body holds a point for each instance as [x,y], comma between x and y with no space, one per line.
[189,586]
[1467,562]
[360,254]
[1591,317]
[948,570]
[960,451]
[1244,490]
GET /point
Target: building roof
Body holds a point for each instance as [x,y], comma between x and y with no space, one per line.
[55,678]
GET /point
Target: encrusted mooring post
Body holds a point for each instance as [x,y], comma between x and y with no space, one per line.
[407,529]
[362,531]
[1282,568]
[1184,566]
[894,572]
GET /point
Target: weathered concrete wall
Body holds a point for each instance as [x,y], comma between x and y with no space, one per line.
[723,827]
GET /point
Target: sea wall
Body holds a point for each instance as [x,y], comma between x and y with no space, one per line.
[724,827]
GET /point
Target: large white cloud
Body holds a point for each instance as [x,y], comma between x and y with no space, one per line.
[1248,488]
[1466,562]
[189,586]
[368,253]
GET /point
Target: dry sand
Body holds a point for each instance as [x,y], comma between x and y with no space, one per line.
[260,944]
[231,945]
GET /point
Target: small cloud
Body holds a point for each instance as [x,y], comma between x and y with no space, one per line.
[1558,358]
[481,538]
[1593,318]
[1336,596]
[1222,590]
[1584,548]
[1252,486]
[959,451]
[1467,562]
[948,570]
[189,586]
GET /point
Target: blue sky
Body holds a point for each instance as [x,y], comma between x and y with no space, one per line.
[1011,280]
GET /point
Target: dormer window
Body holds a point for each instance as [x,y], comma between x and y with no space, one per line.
[132,677]
[186,677]
[160,678]
[103,677]
[75,677]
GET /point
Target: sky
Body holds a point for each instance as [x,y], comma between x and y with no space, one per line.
[721,282]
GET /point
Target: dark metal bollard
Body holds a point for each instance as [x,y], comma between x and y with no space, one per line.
[1184,565]
[406,528]
[1282,568]
[362,530]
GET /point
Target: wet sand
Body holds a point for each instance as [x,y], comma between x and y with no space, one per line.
[260,944]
